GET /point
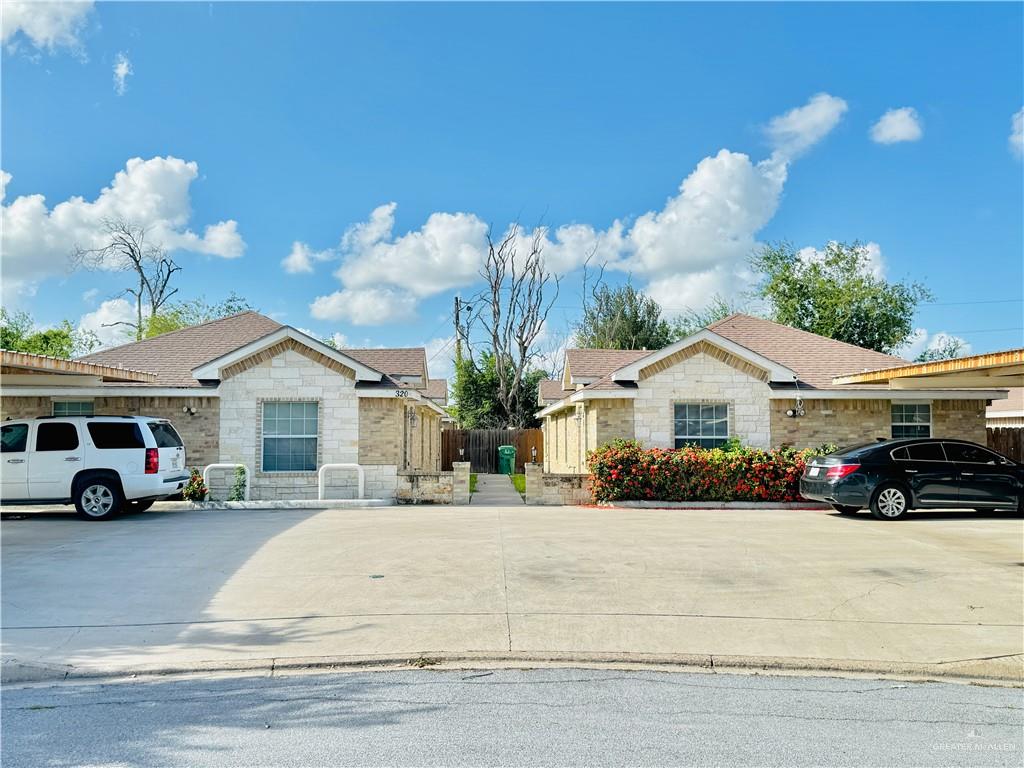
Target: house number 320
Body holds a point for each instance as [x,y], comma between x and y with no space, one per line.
[401,393]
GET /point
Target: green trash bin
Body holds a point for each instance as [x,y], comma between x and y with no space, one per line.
[506,459]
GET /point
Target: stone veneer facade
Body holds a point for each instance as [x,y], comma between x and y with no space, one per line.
[702,378]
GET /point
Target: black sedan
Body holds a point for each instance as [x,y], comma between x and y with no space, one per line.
[893,476]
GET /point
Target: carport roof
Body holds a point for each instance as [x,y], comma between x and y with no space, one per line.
[991,370]
[23,362]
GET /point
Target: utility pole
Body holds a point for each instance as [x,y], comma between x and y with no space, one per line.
[458,334]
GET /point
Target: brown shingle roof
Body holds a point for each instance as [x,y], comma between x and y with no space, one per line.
[407,361]
[550,390]
[437,390]
[601,362]
[815,359]
[172,356]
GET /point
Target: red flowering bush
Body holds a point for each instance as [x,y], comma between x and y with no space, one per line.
[624,470]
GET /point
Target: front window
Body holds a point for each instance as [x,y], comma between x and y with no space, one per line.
[701,424]
[289,437]
[73,408]
[911,420]
[15,436]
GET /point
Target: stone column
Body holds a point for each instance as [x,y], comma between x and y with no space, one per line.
[534,483]
[460,482]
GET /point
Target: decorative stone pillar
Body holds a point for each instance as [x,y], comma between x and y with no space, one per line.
[534,483]
[460,482]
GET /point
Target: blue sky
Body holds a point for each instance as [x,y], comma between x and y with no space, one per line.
[264,130]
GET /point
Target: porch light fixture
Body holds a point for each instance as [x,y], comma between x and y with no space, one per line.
[533,454]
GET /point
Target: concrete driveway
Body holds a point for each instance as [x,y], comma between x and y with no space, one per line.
[938,593]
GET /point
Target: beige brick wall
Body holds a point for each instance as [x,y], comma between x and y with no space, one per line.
[551,489]
[417,487]
[847,422]
[388,434]
[564,438]
[200,433]
[702,378]
[613,420]
[290,376]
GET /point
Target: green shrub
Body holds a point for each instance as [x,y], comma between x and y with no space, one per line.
[624,470]
[195,489]
[237,492]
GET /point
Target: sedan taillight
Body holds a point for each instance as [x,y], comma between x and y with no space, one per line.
[152,461]
[840,471]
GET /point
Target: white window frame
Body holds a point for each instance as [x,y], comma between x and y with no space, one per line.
[893,424]
[62,401]
[695,439]
[264,437]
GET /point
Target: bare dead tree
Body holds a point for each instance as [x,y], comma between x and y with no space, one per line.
[125,249]
[512,311]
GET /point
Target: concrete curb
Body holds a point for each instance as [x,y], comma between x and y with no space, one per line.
[977,671]
[713,505]
[181,506]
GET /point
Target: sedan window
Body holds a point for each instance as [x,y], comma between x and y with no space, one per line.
[926,452]
[970,454]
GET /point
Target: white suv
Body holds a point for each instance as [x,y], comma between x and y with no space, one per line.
[101,464]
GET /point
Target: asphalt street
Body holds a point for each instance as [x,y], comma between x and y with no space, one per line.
[511,717]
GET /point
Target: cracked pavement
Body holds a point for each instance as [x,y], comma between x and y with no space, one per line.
[797,588]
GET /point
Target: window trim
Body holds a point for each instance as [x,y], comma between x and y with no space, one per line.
[893,423]
[728,421]
[65,400]
[261,437]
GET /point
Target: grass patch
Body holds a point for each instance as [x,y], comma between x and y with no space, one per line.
[472,482]
[519,481]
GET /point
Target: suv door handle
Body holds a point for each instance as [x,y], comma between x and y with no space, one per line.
[15,461]
[73,458]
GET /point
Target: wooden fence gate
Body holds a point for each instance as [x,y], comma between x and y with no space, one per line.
[480,447]
[1008,441]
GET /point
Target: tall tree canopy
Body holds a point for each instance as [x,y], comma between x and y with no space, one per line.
[835,293]
[622,318]
[477,405]
[18,333]
[693,320]
[186,313]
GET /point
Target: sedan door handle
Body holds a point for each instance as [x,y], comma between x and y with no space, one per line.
[15,461]
[73,458]
[910,471]
[967,474]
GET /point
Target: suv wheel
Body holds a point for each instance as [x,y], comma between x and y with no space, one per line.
[890,503]
[98,498]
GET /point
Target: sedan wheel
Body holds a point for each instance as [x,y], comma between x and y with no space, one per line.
[890,503]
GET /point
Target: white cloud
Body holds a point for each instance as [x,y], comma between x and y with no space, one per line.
[441,357]
[302,257]
[695,246]
[46,25]
[896,125]
[1017,133]
[365,306]
[122,69]
[90,295]
[102,322]
[801,128]
[37,241]
[921,340]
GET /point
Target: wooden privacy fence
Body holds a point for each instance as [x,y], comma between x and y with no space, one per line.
[480,447]
[1008,441]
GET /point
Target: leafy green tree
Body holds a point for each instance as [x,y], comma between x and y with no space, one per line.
[944,348]
[188,313]
[477,403]
[18,333]
[694,320]
[622,318]
[836,294]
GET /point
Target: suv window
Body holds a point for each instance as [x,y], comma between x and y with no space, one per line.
[164,434]
[971,454]
[113,436]
[926,452]
[56,436]
[13,438]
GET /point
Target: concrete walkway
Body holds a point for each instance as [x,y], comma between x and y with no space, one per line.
[495,491]
[936,594]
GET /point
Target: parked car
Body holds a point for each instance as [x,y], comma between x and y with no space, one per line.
[101,464]
[894,476]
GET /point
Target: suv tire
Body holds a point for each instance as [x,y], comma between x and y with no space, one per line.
[890,502]
[98,498]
